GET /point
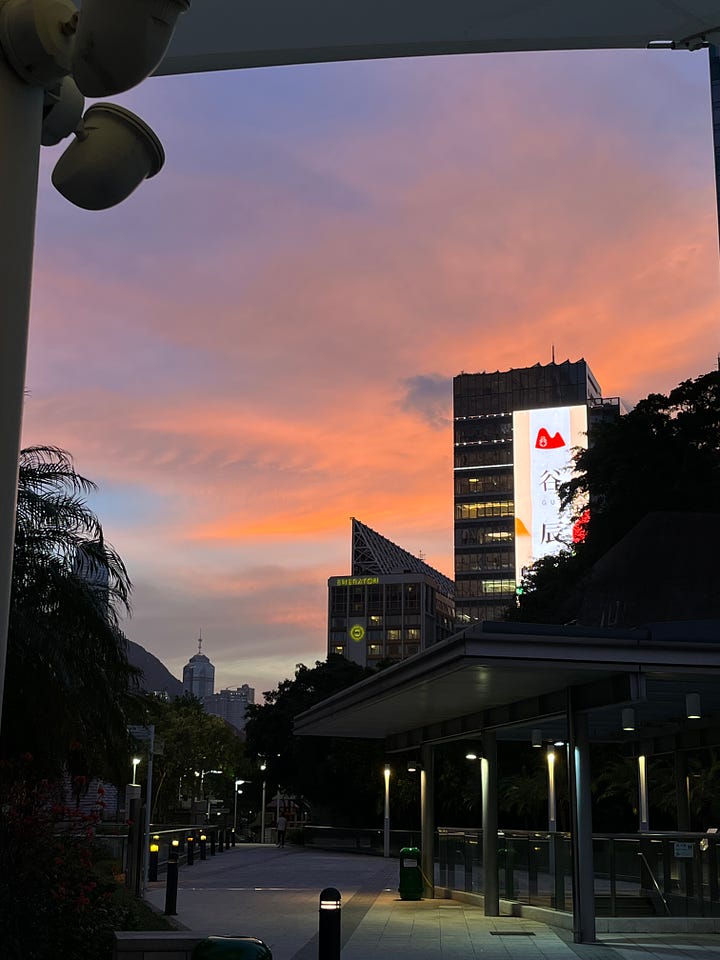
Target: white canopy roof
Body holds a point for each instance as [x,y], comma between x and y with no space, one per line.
[227,34]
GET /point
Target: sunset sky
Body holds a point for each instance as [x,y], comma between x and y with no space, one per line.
[260,343]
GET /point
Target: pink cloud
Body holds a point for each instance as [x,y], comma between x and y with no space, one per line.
[233,346]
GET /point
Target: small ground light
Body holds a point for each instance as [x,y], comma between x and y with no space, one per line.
[330,899]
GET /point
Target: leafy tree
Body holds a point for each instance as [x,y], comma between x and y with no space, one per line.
[193,740]
[341,778]
[664,454]
[68,677]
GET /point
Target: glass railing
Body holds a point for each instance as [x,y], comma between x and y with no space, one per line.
[652,874]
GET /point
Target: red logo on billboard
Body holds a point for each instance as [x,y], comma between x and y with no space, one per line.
[545,442]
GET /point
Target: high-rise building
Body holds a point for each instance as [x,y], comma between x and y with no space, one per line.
[231,705]
[391,606]
[199,675]
[514,434]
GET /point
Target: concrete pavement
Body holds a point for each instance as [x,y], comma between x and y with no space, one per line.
[273,894]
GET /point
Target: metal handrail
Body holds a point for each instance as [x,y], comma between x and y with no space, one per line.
[655,883]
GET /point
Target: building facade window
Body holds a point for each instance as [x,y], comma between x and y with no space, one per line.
[485,483]
[486,508]
[487,560]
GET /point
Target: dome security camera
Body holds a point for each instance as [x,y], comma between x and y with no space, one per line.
[120,42]
[114,151]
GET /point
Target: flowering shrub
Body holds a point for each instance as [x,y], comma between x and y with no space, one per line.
[55,902]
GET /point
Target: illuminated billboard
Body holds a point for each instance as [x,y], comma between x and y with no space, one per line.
[543,443]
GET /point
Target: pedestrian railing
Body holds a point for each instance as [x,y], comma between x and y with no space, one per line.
[649,874]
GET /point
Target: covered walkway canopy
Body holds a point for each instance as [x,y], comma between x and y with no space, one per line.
[225,34]
[501,681]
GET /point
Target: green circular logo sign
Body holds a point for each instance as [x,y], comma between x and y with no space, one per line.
[357,632]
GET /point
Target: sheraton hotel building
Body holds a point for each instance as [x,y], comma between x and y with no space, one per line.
[514,436]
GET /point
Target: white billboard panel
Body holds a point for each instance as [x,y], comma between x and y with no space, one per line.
[543,443]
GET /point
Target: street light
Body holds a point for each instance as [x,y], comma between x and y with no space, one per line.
[135,762]
[263,767]
[386,823]
[238,783]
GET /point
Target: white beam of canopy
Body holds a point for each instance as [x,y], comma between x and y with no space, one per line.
[228,34]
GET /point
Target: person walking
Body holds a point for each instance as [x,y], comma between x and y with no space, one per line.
[281,828]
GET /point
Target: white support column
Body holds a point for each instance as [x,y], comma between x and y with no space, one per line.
[581,813]
[21,106]
[386,817]
[643,805]
[427,818]
[490,824]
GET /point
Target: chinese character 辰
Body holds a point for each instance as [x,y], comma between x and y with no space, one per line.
[550,532]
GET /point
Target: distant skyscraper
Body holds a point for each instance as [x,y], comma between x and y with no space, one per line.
[199,675]
[231,705]
[391,606]
[514,436]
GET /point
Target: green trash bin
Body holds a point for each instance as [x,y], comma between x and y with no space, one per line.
[411,885]
[231,948]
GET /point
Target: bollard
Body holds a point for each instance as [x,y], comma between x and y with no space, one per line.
[190,851]
[221,837]
[153,859]
[172,880]
[213,836]
[203,847]
[329,924]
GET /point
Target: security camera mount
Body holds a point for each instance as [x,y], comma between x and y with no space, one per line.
[38,105]
[37,38]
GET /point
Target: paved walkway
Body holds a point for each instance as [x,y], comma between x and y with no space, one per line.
[272,894]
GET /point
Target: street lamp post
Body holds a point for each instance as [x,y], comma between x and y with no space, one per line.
[238,783]
[263,767]
[552,799]
[135,762]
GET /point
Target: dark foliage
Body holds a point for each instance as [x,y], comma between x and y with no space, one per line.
[334,776]
[68,677]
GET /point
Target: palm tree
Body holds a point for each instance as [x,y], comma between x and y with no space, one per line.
[68,676]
